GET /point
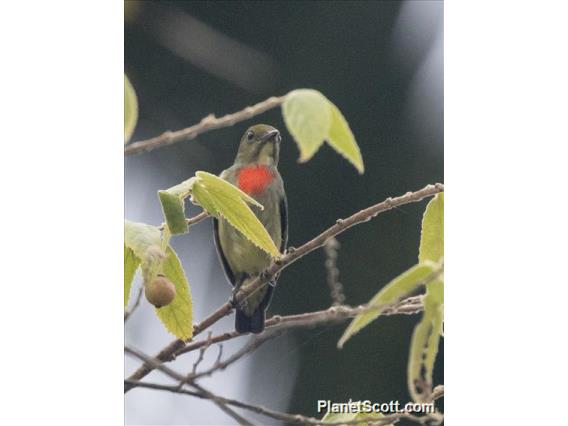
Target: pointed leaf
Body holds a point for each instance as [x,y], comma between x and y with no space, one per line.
[145,241]
[222,199]
[307,116]
[342,140]
[394,291]
[423,351]
[220,185]
[130,109]
[173,207]
[432,239]
[177,317]
[140,236]
[131,263]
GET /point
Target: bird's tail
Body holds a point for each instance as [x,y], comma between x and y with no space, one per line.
[252,324]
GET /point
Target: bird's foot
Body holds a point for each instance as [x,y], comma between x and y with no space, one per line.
[233,300]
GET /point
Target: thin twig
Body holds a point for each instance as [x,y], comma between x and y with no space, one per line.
[208,123]
[331,249]
[201,354]
[341,225]
[191,220]
[127,313]
[221,365]
[202,393]
[292,418]
[222,405]
[410,306]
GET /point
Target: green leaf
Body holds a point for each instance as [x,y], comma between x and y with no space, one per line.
[341,139]
[145,240]
[131,263]
[349,417]
[173,207]
[143,243]
[432,239]
[223,200]
[130,109]
[311,119]
[177,317]
[307,116]
[140,236]
[394,291]
[220,185]
[174,212]
[423,351]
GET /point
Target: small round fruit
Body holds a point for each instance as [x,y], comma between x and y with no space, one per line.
[160,291]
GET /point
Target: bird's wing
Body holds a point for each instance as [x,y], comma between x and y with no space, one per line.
[226,267]
[284,223]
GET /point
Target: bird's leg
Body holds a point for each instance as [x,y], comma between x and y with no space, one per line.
[233,299]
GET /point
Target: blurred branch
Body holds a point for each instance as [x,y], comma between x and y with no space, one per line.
[336,314]
[136,304]
[176,376]
[341,225]
[331,249]
[206,124]
[221,365]
[191,220]
[295,418]
[222,405]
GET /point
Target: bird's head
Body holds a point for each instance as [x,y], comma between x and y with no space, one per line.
[260,144]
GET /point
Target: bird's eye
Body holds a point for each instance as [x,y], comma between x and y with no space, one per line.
[250,135]
[278,138]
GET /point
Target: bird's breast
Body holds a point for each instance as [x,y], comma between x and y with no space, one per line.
[254,179]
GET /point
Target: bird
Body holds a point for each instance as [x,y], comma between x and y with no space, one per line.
[255,172]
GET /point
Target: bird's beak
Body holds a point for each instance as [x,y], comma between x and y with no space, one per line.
[269,135]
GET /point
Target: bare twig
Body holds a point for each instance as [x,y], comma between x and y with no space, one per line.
[127,313]
[221,365]
[168,353]
[409,306]
[191,220]
[291,418]
[208,123]
[201,354]
[202,393]
[331,249]
[223,405]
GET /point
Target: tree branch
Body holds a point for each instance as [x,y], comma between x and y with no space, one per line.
[292,418]
[135,306]
[336,314]
[168,353]
[206,124]
[221,365]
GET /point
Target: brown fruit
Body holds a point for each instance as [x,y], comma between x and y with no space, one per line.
[160,291]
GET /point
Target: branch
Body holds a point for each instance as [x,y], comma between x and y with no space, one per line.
[206,124]
[127,313]
[168,353]
[287,417]
[223,406]
[337,314]
[191,220]
[221,365]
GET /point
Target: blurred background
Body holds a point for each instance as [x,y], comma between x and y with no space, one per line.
[381,63]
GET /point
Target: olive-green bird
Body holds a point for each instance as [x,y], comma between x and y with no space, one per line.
[255,172]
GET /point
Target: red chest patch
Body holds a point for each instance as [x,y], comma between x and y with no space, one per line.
[254,179]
